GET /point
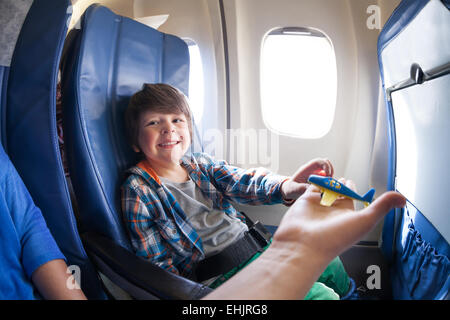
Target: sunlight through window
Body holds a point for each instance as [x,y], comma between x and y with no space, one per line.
[298,82]
[196,85]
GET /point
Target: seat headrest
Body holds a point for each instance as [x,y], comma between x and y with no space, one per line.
[109,59]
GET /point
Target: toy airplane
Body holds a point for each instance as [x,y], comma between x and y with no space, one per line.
[332,189]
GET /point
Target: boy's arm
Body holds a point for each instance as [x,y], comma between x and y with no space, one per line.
[145,236]
[255,186]
[51,279]
[258,186]
[308,238]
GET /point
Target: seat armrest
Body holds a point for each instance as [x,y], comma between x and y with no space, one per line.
[139,277]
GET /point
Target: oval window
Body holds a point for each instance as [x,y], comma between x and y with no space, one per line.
[298,82]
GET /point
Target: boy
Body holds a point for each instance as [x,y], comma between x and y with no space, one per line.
[177,208]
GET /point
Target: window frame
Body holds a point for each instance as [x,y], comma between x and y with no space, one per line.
[191,42]
[297,31]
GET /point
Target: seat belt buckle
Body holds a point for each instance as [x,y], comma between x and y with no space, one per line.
[260,234]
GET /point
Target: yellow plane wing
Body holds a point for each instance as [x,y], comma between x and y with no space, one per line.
[328,198]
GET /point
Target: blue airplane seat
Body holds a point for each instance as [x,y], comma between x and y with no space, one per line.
[414,60]
[4,72]
[104,63]
[28,122]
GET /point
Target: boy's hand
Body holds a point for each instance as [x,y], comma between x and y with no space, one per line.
[294,187]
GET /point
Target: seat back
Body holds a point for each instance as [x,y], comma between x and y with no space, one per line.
[108,60]
[414,57]
[28,122]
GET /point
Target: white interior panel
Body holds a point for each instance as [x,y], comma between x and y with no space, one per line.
[422,126]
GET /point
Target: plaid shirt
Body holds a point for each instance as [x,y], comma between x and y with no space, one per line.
[156,223]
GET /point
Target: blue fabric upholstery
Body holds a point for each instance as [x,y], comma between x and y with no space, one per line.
[110,58]
[421,266]
[446,3]
[418,253]
[29,128]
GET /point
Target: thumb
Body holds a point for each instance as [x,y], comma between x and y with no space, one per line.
[361,222]
[385,203]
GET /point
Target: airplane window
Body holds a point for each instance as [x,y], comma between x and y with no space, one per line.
[196,86]
[298,82]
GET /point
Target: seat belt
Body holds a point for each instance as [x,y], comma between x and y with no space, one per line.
[248,221]
[254,240]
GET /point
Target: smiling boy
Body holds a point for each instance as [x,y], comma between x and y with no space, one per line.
[178,209]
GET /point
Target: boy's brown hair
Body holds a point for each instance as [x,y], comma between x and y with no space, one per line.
[156,97]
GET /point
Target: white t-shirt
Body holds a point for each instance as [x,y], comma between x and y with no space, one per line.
[216,229]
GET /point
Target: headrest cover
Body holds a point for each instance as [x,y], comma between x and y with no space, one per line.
[12,16]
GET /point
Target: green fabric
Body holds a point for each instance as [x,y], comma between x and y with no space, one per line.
[319,291]
[336,277]
[332,283]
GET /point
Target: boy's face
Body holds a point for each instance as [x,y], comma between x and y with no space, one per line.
[163,137]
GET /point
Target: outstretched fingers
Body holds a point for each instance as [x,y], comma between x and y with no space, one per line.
[385,203]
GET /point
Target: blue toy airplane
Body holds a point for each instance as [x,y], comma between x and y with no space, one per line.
[332,189]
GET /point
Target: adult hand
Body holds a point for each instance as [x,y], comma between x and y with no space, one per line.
[326,232]
[308,238]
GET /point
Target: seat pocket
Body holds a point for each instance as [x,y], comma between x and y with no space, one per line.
[424,270]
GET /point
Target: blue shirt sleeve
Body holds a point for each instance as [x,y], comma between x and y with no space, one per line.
[37,243]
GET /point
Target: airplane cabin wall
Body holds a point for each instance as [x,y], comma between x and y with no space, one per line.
[356,143]
[379,162]
[349,143]
[122,7]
